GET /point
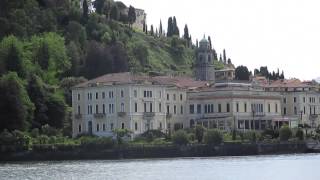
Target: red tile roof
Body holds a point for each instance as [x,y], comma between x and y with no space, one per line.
[129,78]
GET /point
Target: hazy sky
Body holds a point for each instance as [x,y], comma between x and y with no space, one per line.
[282,34]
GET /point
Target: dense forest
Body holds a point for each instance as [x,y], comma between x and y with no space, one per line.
[48,46]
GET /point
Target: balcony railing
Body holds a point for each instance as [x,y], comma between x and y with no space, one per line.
[148,115]
[99,115]
[78,116]
[122,114]
[313,116]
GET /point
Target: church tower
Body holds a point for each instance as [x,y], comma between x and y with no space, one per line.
[204,68]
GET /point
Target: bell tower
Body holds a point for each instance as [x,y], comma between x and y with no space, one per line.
[204,68]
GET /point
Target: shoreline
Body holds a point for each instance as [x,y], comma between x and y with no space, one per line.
[159,151]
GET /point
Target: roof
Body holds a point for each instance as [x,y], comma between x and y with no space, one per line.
[288,83]
[129,78]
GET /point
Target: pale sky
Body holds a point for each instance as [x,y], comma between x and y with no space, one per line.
[282,34]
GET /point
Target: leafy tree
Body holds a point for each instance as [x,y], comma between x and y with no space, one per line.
[77,33]
[99,6]
[11,56]
[180,137]
[131,15]
[67,83]
[75,55]
[57,111]
[242,73]
[224,56]
[285,133]
[213,137]
[42,56]
[16,109]
[199,131]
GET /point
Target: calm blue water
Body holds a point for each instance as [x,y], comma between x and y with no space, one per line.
[280,167]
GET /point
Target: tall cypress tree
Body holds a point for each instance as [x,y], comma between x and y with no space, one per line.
[170,27]
[151,31]
[85,12]
[186,32]
[160,28]
[115,14]
[210,44]
[175,29]
[224,56]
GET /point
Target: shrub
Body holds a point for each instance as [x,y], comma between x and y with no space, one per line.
[270,133]
[251,136]
[299,134]
[213,137]
[180,137]
[199,133]
[150,135]
[96,143]
[34,133]
[285,133]
[50,131]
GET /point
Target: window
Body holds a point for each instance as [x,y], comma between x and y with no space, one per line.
[97,109]
[294,99]
[269,107]
[111,126]
[98,127]
[181,97]
[79,128]
[122,125]
[237,107]
[145,107]
[205,109]
[245,107]
[136,126]
[181,109]
[167,97]
[104,127]
[295,111]
[284,100]
[147,94]
[211,108]
[160,94]
[104,109]
[160,125]
[135,107]
[135,93]
[110,108]
[219,108]
[97,95]
[159,107]
[79,110]
[175,109]
[304,99]
[198,108]
[284,111]
[276,108]
[122,107]
[78,97]
[304,110]
[122,94]
[150,107]
[103,95]
[168,109]
[174,97]
[191,109]
[228,107]
[310,110]
[110,94]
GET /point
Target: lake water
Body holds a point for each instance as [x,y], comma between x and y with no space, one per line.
[278,167]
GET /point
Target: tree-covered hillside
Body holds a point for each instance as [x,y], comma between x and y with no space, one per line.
[48,46]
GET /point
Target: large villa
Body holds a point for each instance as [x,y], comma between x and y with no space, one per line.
[212,99]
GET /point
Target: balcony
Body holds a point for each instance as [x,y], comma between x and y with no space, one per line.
[122,114]
[259,114]
[78,116]
[148,115]
[313,116]
[99,115]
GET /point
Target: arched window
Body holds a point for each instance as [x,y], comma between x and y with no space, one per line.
[79,128]
[122,126]
[122,107]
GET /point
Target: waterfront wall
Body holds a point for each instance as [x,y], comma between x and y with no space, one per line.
[50,152]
